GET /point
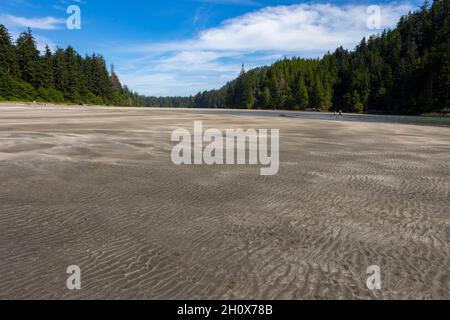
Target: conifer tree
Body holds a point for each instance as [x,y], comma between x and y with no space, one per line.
[27,57]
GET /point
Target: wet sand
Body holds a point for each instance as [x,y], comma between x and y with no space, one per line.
[95,187]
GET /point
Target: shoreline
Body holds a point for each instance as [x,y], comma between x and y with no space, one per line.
[43,104]
[434,121]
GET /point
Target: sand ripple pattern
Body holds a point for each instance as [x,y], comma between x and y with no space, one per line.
[96,188]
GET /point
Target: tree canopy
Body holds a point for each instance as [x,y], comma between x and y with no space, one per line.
[401,71]
[63,76]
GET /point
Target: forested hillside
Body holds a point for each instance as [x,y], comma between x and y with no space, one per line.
[62,76]
[405,70]
[402,71]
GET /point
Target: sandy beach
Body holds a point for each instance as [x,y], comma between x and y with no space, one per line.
[95,187]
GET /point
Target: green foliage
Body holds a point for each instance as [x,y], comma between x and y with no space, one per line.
[15,90]
[49,95]
[60,77]
[405,70]
[266,98]
[8,64]
[27,57]
[301,95]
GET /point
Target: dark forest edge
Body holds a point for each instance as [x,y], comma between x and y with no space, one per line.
[401,71]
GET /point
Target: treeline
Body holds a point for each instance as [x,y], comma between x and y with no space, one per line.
[401,71]
[64,76]
[163,102]
[60,77]
[405,70]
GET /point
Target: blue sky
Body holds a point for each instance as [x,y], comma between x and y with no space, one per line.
[179,47]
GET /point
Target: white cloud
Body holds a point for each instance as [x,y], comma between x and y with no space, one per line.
[303,28]
[43,41]
[46,23]
[214,56]
[182,73]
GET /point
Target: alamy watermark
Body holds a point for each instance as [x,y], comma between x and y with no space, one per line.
[73,22]
[241,147]
[74,280]
[374,19]
[374,280]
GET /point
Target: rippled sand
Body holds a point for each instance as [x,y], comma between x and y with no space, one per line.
[95,187]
